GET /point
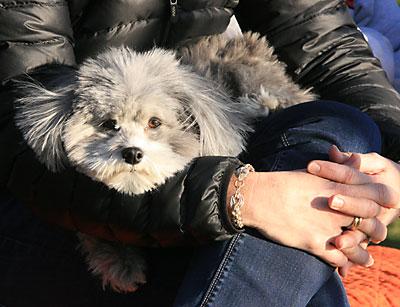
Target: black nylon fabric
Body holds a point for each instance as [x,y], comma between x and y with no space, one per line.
[317,40]
[323,48]
[164,217]
[34,33]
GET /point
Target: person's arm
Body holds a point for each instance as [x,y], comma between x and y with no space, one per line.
[187,207]
[323,48]
[192,205]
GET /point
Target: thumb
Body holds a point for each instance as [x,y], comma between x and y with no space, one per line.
[335,155]
[370,163]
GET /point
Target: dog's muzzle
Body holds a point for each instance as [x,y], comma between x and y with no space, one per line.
[132,155]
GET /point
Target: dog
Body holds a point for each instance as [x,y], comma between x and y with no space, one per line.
[132,120]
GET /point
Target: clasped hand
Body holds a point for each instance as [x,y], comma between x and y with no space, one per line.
[378,209]
[310,209]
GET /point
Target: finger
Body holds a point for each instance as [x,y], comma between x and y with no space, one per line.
[353,206]
[344,270]
[355,253]
[375,230]
[337,172]
[333,256]
[366,163]
[369,230]
[349,239]
[335,155]
[359,256]
[382,194]
[370,163]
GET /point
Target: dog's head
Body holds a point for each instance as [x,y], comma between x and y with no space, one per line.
[137,118]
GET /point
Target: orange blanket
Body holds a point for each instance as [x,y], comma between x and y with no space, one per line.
[378,286]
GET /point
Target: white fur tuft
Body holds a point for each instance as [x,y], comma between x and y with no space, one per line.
[41,114]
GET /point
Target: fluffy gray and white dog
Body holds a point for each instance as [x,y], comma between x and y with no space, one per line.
[131,120]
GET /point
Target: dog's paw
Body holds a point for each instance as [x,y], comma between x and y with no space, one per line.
[119,266]
[122,282]
[121,276]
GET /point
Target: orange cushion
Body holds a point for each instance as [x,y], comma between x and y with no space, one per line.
[378,286]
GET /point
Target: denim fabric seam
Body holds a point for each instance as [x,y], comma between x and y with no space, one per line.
[285,140]
[276,162]
[220,270]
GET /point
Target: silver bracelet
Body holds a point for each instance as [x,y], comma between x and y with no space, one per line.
[237,200]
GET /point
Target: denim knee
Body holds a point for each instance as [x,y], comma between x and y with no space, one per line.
[290,138]
[337,123]
[355,131]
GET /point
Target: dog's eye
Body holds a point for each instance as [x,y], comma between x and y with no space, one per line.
[111,124]
[154,122]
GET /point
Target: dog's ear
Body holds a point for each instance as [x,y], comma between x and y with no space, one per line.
[43,104]
[221,122]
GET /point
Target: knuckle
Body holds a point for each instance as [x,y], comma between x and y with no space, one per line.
[386,195]
[354,160]
[383,193]
[371,209]
[354,239]
[349,175]
[349,239]
[372,231]
[378,231]
[340,188]
[375,225]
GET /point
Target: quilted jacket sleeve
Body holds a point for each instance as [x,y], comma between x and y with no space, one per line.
[27,42]
[323,48]
[189,207]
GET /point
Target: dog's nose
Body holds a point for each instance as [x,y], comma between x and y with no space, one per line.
[132,155]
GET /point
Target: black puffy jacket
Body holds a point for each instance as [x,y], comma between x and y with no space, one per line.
[317,39]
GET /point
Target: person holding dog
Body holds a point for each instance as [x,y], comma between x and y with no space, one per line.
[292,208]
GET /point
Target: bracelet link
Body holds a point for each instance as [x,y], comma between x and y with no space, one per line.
[237,200]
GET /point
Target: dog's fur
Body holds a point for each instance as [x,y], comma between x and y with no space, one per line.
[206,95]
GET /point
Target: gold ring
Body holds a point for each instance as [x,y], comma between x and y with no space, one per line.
[356,223]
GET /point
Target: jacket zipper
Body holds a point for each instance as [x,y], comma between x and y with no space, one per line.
[174,10]
[173,18]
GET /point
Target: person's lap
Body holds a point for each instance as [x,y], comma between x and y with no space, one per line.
[257,272]
[39,263]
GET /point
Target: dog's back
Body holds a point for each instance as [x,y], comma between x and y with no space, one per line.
[245,66]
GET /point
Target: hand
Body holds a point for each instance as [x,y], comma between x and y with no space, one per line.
[359,169]
[292,208]
[380,169]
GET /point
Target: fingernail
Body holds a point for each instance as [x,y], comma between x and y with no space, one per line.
[314,167]
[371,262]
[337,203]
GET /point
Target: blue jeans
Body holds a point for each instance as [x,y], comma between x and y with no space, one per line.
[252,271]
[39,265]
